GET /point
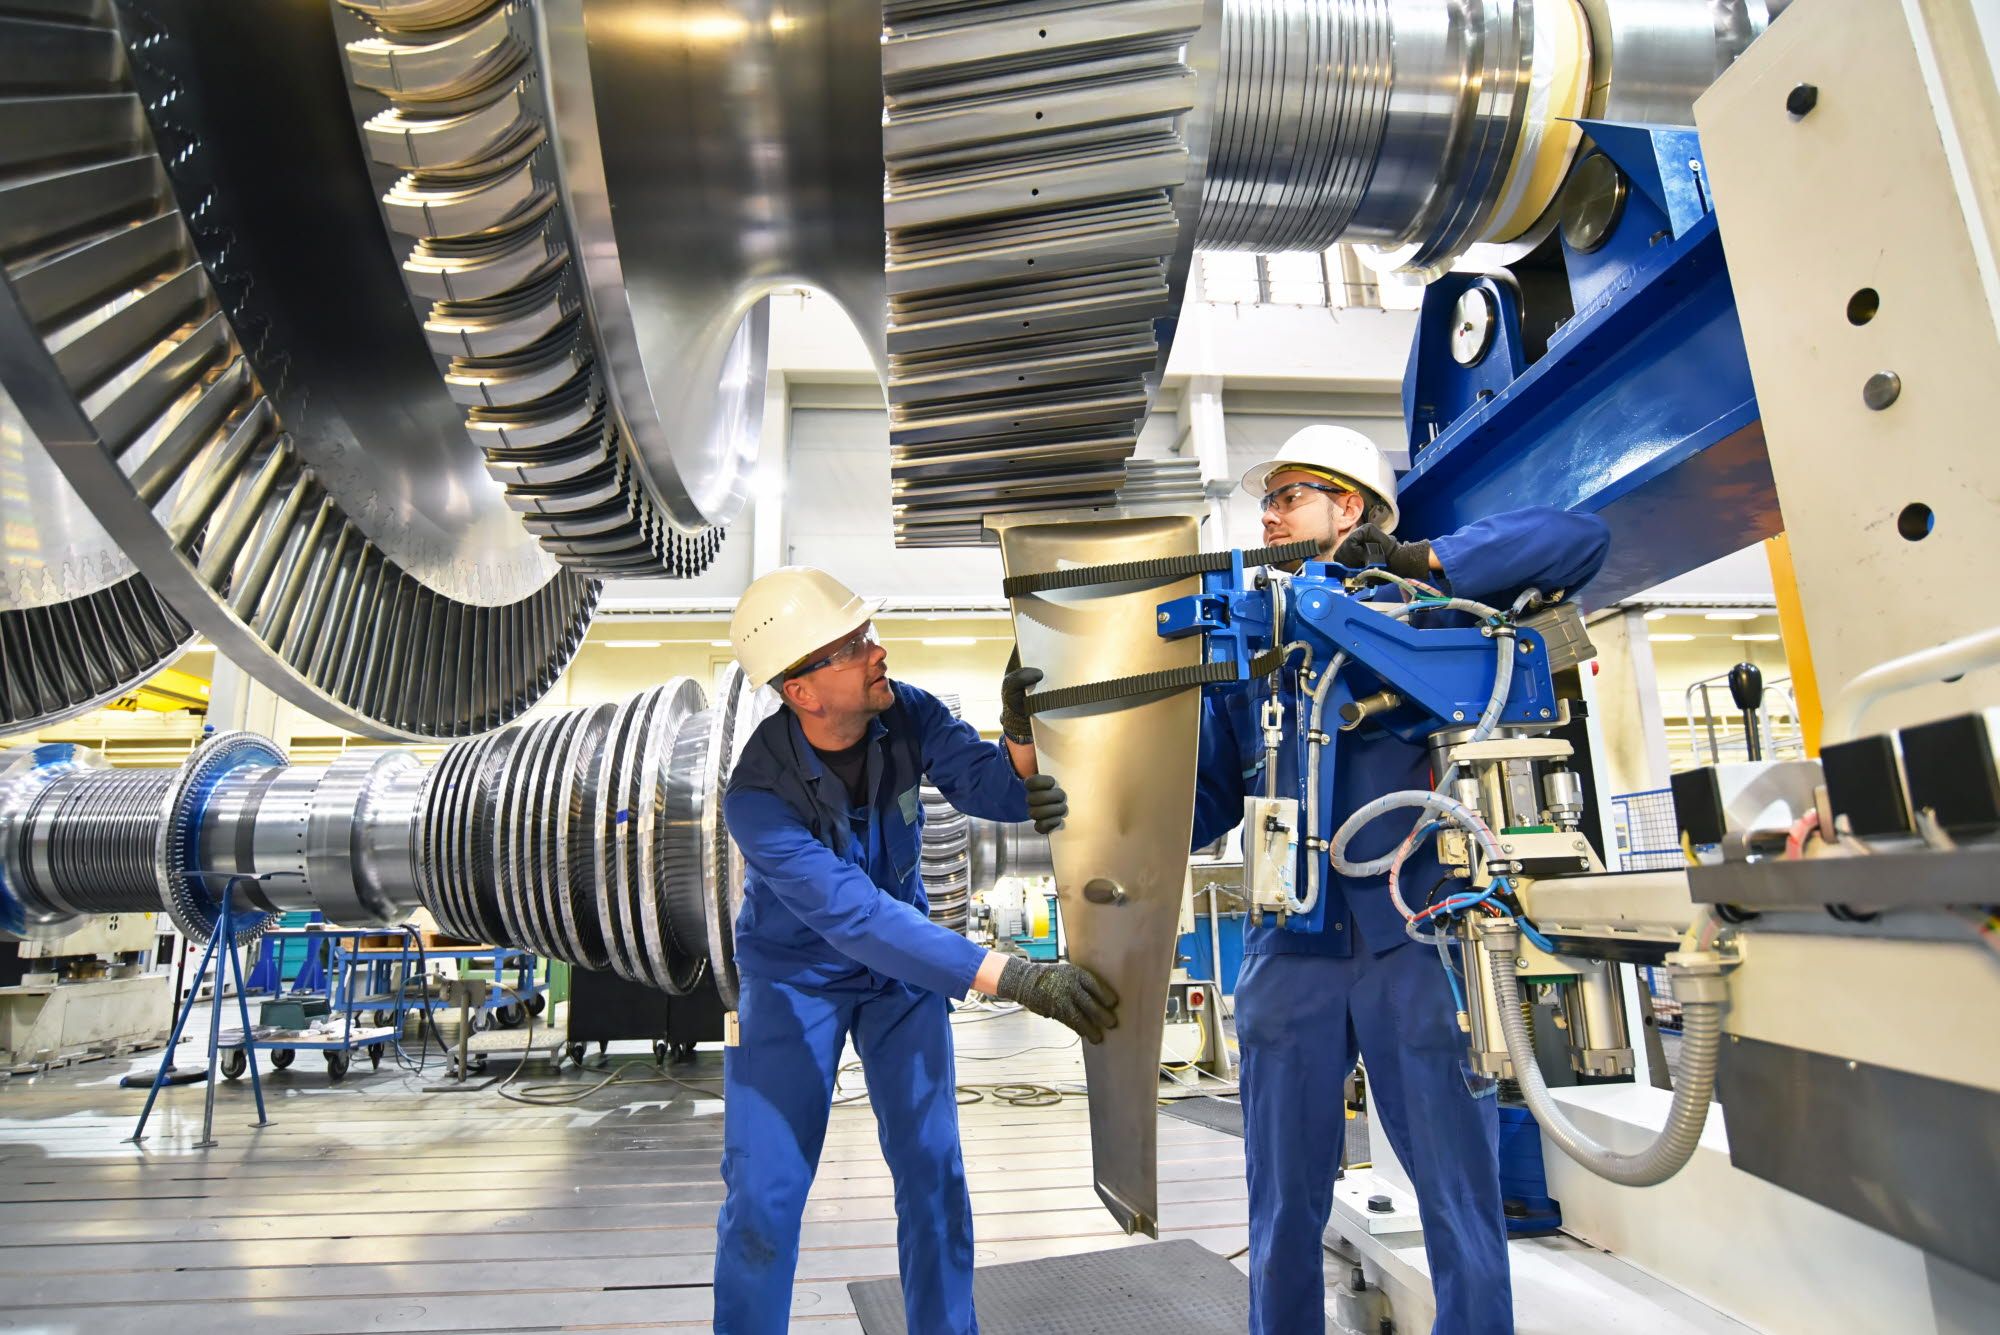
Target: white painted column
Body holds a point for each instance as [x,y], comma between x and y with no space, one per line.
[1628,704]
[769,549]
[236,701]
[1204,433]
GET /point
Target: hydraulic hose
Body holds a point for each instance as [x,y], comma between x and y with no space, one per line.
[1702,1001]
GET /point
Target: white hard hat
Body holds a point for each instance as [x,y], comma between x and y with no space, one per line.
[1340,451]
[785,615]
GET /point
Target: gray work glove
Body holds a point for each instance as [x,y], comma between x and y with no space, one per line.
[1367,545]
[1047,802]
[1065,992]
[1014,688]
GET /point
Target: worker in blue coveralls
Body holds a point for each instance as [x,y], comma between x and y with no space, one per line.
[834,940]
[1308,1004]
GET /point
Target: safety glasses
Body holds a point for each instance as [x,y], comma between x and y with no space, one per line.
[1284,499]
[854,647]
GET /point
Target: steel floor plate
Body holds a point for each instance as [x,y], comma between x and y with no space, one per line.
[376,1205]
[1177,1286]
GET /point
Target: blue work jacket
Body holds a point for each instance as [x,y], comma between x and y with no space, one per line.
[833,898]
[1491,561]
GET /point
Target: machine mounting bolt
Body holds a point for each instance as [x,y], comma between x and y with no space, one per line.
[1802,99]
[1458,716]
[1527,648]
[1853,1066]
[1506,848]
[1163,618]
[1545,713]
[1883,388]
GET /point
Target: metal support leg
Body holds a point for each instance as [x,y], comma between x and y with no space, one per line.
[167,1057]
[243,1009]
[225,948]
[464,1037]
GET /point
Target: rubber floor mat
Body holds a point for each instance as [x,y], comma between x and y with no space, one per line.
[1217,1114]
[1177,1287]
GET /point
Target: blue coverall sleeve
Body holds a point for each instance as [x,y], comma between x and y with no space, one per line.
[837,899]
[1220,783]
[1495,558]
[975,775]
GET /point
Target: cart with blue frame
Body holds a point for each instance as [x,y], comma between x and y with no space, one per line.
[333,1031]
[518,990]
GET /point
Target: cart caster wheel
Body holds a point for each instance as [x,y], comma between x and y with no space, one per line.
[482,1021]
[282,1057]
[375,1056]
[574,1052]
[661,1051]
[511,1016]
[537,1004]
[234,1063]
[383,1019]
[336,1067]
[683,1053]
[479,1063]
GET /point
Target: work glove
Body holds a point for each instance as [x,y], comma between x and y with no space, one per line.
[1047,802]
[1014,688]
[1064,992]
[1367,545]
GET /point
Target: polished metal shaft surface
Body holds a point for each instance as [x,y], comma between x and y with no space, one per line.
[592,836]
[87,844]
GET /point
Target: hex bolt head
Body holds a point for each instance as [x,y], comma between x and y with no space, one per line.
[1801,100]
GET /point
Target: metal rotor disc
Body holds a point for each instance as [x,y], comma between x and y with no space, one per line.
[195,905]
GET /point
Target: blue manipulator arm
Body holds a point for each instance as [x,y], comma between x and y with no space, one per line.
[1389,674]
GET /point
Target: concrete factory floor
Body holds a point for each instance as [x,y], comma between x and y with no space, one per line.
[375,1205]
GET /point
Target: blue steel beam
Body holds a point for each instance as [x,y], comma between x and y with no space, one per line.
[1641,412]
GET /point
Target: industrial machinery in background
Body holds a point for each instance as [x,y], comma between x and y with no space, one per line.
[593,836]
[518,343]
[91,991]
[947,851]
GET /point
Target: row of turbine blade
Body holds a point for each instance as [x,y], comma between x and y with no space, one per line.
[592,836]
[487,253]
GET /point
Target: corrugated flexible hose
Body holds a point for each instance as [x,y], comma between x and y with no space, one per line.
[1694,1083]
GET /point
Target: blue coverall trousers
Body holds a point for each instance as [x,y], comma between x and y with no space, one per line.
[778,1090]
[1301,1020]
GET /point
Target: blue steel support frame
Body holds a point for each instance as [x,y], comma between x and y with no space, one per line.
[1642,411]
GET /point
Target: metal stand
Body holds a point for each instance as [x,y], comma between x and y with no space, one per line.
[221,948]
[468,992]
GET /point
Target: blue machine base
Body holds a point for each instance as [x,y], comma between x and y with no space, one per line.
[1524,1186]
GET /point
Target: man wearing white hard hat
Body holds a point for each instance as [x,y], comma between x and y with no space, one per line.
[834,941]
[1309,1004]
